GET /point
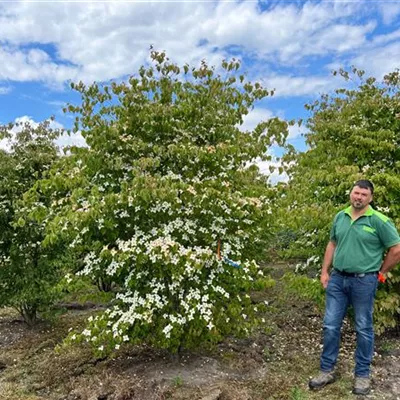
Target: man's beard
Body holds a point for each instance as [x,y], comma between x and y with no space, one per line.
[358,205]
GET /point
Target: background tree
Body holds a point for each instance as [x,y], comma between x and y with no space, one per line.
[26,277]
[353,133]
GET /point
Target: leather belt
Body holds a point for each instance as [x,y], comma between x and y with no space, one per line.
[353,274]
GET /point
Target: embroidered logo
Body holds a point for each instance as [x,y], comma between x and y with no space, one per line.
[368,229]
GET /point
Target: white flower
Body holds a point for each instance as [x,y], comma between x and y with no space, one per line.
[167,331]
[192,190]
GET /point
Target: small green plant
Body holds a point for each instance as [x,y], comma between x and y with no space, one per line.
[177,381]
[387,346]
[82,289]
[298,394]
[267,353]
[310,289]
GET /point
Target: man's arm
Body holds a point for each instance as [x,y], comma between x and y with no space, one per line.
[392,258]
[328,258]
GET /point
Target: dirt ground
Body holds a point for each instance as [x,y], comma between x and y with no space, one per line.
[275,363]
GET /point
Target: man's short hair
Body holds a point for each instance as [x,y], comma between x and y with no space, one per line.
[365,184]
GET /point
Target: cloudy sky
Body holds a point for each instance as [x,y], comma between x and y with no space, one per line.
[291,46]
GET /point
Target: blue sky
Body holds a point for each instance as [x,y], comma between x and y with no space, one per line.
[291,46]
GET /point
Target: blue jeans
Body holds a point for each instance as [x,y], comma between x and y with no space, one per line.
[341,292]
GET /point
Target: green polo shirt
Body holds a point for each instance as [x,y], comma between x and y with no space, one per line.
[360,244]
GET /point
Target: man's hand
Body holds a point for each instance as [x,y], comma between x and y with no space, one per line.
[381,277]
[392,258]
[328,257]
[324,279]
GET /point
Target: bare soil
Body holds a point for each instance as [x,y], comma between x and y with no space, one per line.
[275,363]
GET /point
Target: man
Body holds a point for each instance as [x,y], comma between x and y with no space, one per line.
[359,237]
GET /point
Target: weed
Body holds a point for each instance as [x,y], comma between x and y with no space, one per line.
[177,381]
[267,353]
[387,346]
[10,391]
[298,394]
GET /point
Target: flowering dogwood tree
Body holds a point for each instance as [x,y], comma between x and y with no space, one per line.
[27,277]
[165,182]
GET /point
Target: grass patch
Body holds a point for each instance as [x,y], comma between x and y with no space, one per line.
[11,391]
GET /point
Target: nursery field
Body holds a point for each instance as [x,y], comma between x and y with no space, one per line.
[135,267]
[274,363]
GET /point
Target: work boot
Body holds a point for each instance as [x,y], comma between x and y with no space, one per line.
[362,386]
[321,380]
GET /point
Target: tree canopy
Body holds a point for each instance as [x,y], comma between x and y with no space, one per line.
[353,133]
[26,276]
[165,182]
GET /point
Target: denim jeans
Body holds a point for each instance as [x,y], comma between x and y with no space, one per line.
[341,292]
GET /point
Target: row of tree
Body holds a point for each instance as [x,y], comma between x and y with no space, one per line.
[353,133]
[166,206]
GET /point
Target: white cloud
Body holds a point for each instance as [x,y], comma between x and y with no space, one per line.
[341,38]
[21,121]
[100,41]
[386,38]
[75,139]
[274,176]
[5,144]
[250,121]
[379,61]
[296,131]
[26,119]
[286,31]
[290,86]
[254,117]
[32,65]
[5,89]
[260,114]
[389,11]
